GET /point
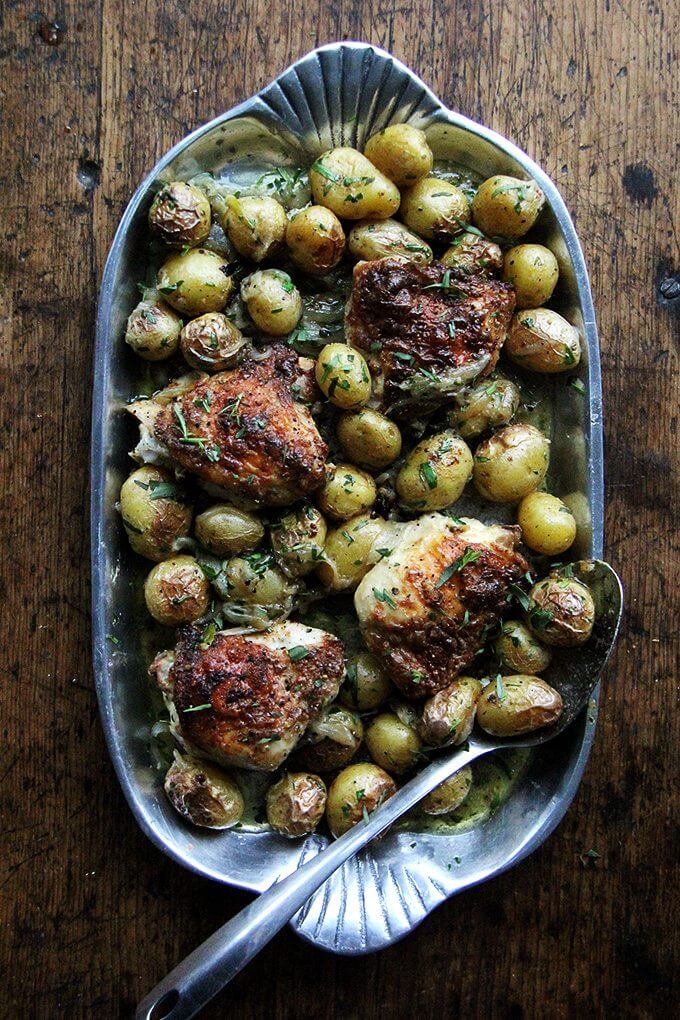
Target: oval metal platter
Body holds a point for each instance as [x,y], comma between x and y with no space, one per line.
[337,95]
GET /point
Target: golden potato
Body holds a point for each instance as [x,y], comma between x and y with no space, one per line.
[561,611]
[273,301]
[176,591]
[315,239]
[155,512]
[203,794]
[507,206]
[448,716]
[450,794]
[486,405]
[298,539]
[401,152]
[195,282]
[369,438]
[354,794]
[435,209]
[211,343]
[516,704]
[342,376]
[548,526]
[254,579]
[296,804]
[226,530]
[533,271]
[180,215]
[518,651]
[256,226]
[351,186]
[435,472]
[366,686]
[393,744]
[350,551]
[346,492]
[153,330]
[511,464]
[474,253]
[387,238]
[543,341]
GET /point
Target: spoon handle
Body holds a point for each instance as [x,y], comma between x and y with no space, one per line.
[187,988]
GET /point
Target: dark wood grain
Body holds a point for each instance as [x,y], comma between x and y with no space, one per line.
[91,914]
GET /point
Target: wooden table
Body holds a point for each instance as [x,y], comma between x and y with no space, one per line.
[91,913]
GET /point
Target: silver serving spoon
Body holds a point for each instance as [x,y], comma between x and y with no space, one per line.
[199,977]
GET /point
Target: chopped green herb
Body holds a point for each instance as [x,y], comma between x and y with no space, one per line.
[469,556]
[298,652]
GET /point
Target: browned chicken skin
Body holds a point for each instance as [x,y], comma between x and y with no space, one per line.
[246,700]
[242,431]
[426,330]
[424,609]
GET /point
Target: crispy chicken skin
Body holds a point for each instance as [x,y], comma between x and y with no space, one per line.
[263,691]
[426,330]
[242,431]
[412,605]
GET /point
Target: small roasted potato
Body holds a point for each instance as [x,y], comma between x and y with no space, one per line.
[296,804]
[507,206]
[511,463]
[516,704]
[273,301]
[387,238]
[226,530]
[255,225]
[331,740]
[347,491]
[203,794]
[401,152]
[561,612]
[315,239]
[474,254]
[155,512]
[449,716]
[368,438]
[393,744]
[350,552]
[435,472]
[366,686]
[450,794]
[180,215]
[342,375]
[255,580]
[540,340]
[153,330]
[176,591]
[298,539]
[211,343]
[355,793]
[435,209]
[486,405]
[547,524]
[350,185]
[518,651]
[533,271]
[195,282]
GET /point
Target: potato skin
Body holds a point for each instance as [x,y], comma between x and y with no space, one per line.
[348,552]
[562,611]
[368,438]
[153,330]
[180,214]
[296,804]
[298,539]
[474,254]
[203,794]
[435,209]
[358,788]
[177,591]
[448,717]
[507,206]
[401,152]
[366,686]
[350,185]
[547,524]
[315,239]
[211,343]
[533,271]
[485,406]
[226,530]
[152,523]
[196,282]
[273,301]
[511,463]
[518,704]
[518,651]
[381,239]
[392,743]
[541,340]
[342,375]
[450,794]
[435,473]
[347,491]
[256,226]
